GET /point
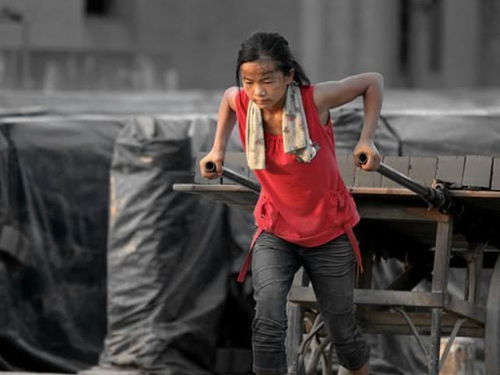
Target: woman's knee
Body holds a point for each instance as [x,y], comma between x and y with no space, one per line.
[269,330]
[270,302]
[270,321]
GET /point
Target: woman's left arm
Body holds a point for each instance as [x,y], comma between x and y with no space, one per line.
[370,86]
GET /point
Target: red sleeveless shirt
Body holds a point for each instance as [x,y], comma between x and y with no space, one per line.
[303,203]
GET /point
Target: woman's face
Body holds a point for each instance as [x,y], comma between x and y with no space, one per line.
[264,83]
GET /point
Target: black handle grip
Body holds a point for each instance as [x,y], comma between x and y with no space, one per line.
[362,159]
[210,166]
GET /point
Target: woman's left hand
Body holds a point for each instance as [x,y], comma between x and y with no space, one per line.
[370,160]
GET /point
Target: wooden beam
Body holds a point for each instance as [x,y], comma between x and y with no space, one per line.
[392,322]
[379,211]
[305,296]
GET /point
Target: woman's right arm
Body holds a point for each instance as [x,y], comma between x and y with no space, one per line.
[225,122]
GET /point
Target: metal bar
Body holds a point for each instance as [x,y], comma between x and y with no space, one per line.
[442,256]
[437,314]
[454,333]
[435,197]
[414,331]
[317,326]
[236,177]
[439,285]
[405,181]
[315,356]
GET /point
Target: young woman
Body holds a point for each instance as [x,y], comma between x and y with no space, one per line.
[304,214]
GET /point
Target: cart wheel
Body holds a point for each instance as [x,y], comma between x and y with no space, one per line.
[492,329]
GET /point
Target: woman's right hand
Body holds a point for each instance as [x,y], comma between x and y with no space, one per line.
[215,157]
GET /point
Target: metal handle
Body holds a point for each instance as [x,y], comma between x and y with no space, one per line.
[436,197]
[210,166]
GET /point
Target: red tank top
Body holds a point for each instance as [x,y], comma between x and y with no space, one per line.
[303,203]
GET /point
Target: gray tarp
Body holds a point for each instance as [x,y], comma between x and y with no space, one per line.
[168,256]
[54,176]
[172,303]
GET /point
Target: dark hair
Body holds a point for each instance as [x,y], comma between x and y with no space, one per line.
[272,46]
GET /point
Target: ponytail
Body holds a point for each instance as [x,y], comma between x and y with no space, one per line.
[300,76]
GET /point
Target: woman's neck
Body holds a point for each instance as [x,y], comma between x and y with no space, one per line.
[272,121]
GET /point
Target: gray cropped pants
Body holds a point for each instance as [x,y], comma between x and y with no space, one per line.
[330,268]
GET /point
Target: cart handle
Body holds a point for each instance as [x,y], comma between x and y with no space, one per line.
[210,166]
[437,197]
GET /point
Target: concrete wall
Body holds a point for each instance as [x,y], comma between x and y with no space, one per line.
[203,37]
[49,23]
[489,74]
[196,41]
[169,44]
[345,37]
[445,43]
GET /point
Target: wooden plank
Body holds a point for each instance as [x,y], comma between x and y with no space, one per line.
[379,211]
[495,178]
[347,168]
[399,163]
[378,191]
[442,257]
[423,169]
[367,179]
[305,296]
[387,321]
[477,172]
[450,169]
[488,196]
[385,197]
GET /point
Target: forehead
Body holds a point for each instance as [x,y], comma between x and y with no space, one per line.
[259,69]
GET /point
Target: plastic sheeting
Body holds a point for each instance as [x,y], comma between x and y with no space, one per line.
[172,302]
[168,261]
[54,196]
